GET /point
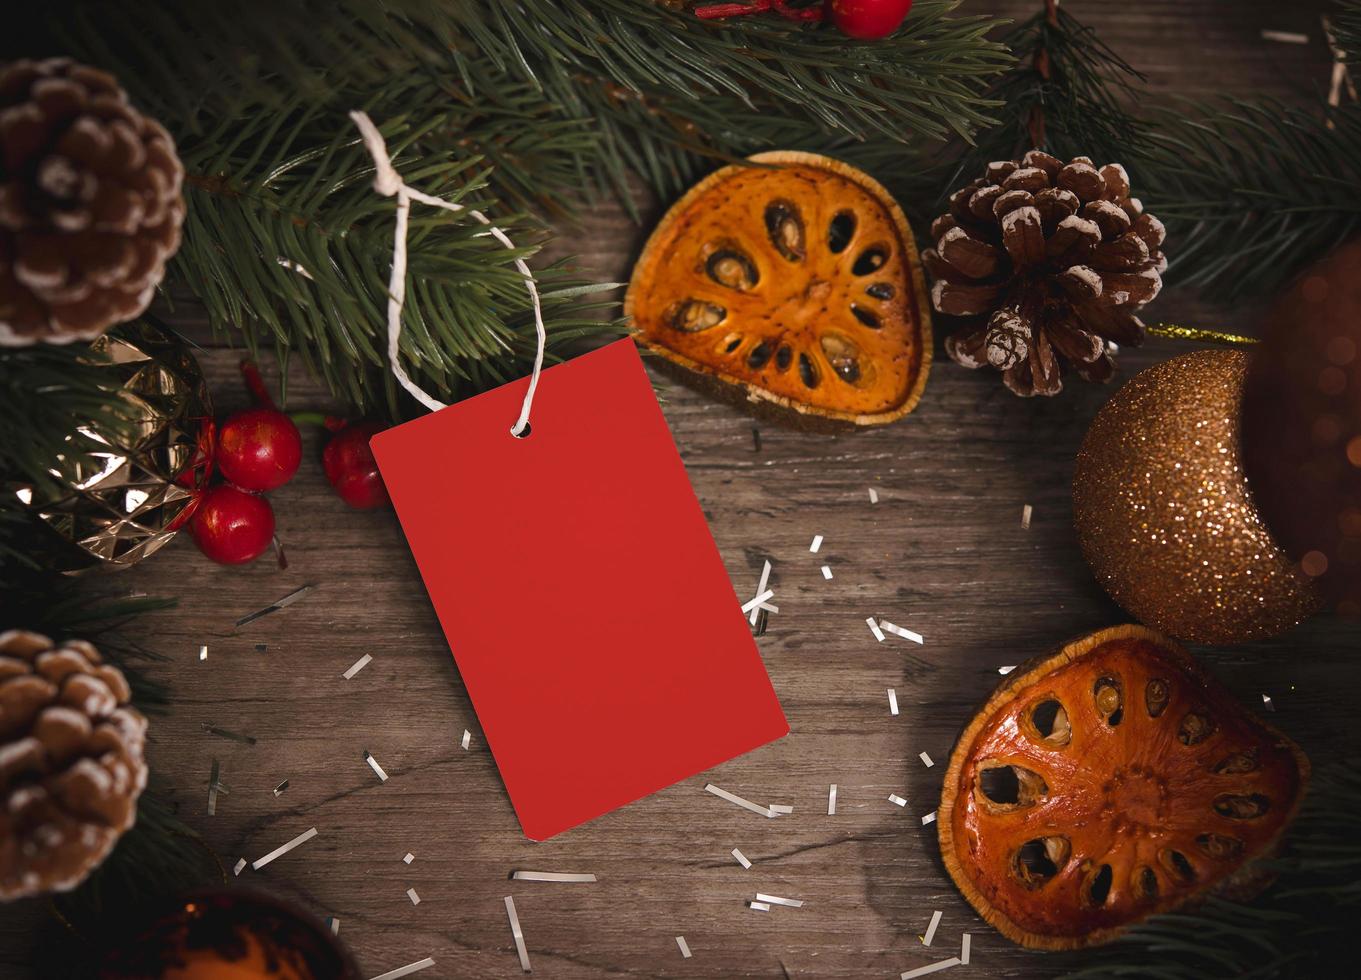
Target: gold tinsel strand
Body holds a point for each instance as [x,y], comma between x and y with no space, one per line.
[1199,335]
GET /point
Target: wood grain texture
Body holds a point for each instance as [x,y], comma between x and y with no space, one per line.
[942,552]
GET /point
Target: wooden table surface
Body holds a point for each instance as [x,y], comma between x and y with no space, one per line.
[942,552]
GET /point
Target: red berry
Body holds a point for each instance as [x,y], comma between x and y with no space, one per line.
[231,526]
[259,449]
[351,468]
[869,19]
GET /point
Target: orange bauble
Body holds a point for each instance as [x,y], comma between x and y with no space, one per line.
[229,934]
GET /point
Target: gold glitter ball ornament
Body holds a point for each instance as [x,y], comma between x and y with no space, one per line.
[1164,514]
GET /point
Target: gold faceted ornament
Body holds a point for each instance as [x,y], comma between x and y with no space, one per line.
[793,280]
[91,203]
[71,762]
[1166,518]
[127,500]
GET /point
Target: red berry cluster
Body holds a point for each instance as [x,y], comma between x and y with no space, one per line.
[257,450]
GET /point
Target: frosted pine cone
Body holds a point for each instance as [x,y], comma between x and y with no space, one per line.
[71,766]
[1047,262]
[90,203]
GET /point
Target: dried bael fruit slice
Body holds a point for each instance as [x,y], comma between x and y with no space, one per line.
[1108,782]
[796,281]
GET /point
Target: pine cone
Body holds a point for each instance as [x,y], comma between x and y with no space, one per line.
[90,204]
[71,764]
[1049,262]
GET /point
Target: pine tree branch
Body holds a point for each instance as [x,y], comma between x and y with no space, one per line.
[277,184]
[1252,191]
[307,244]
[1067,93]
[645,87]
[673,95]
[921,83]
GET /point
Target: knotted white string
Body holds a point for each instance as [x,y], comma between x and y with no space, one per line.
[388,182]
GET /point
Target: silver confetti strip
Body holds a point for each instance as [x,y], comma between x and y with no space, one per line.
[203,652]
[874,495]
[892,701]
[926,759]
[929,818]
[333,924]
[831,801]
[357,666]
[684,947]
[281,787]
[1285,37]
[283,849]
[780,808]
[411,894]
[874,628]
[212,789]
[373,764]
[723,794]
[760,587]
[408,858]
[276,605]
[1026,511]
[516,934]
[467,739]
[922,971]
[827,571]
[792,903]
[751,604]
[817,543]
[741,858]
[896,800]
[1006,670]
[931,929]
[964,944]
[888,627]
[563,876]
[225,733]
[240,864]
[758,906]
[1268,703]
[405,971]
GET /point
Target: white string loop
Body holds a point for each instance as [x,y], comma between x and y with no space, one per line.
[388,182]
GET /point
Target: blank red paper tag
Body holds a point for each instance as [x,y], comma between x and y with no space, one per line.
[577,583]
